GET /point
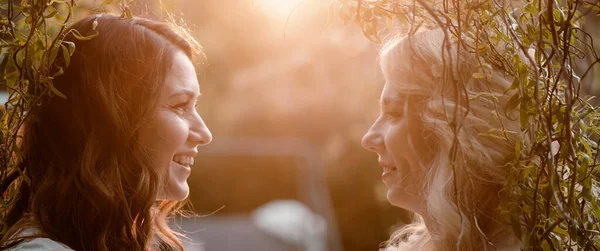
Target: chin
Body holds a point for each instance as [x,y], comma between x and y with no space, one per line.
[394,201]
[398,199]
[175,192]
[181,196]
[183,193]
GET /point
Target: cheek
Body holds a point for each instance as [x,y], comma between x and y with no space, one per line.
[164,135]
[421,146]
[396,140]
[405,142]
[174,132]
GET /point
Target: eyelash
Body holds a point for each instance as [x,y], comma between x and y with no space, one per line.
[393,116]
[181,108]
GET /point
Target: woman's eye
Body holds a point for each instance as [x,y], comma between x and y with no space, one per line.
[393,116]
[180,108]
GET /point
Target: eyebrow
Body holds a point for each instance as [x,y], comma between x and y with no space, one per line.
[392,101]
[189,94]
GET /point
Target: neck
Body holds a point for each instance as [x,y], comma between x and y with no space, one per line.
[498,235]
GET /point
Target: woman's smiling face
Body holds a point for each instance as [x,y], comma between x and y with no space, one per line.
[175,130]
[397,137]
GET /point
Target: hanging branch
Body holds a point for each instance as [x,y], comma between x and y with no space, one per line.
[554,182]
[31,38]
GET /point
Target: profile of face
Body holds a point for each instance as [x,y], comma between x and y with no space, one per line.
[397,138]
[175,130]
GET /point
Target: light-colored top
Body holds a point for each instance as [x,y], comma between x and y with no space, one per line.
[38,244]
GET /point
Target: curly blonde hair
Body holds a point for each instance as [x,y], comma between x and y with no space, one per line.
[462,108]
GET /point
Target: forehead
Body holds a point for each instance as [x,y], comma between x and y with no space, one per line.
[181,77]
[391,92]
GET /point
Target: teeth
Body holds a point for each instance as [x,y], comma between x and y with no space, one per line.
[184,160]
[388,169]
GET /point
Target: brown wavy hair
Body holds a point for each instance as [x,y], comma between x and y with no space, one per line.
[93,186]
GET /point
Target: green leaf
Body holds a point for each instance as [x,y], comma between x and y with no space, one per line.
[78,35]
[584,167]
[66,54]
[106,2]
[524,114]
[55,91]
[71,47]
[587,147]
[11,75]
[56,1]
[59,72]
[3,59]
[513,102]
[17,152]
[51,12]
[515,84]
[560,231]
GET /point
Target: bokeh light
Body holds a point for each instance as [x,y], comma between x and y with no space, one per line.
[287,96]
[278,9]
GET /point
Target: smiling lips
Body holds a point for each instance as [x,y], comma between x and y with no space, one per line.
[184,160]
[387,168]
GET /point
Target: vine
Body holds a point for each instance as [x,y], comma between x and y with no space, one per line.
[554,182]
[31,38]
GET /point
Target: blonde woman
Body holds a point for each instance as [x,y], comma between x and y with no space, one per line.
[454,204]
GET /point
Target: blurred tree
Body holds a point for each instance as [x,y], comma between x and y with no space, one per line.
[269,78]
[300,79]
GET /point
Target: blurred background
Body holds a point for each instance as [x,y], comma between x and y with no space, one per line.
[288,98]
[288,94]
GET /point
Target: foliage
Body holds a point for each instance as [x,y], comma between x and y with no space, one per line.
[554,183]
[31,36]
[30,44]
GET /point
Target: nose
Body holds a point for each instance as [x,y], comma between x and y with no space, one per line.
[373,139]
[200,135]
